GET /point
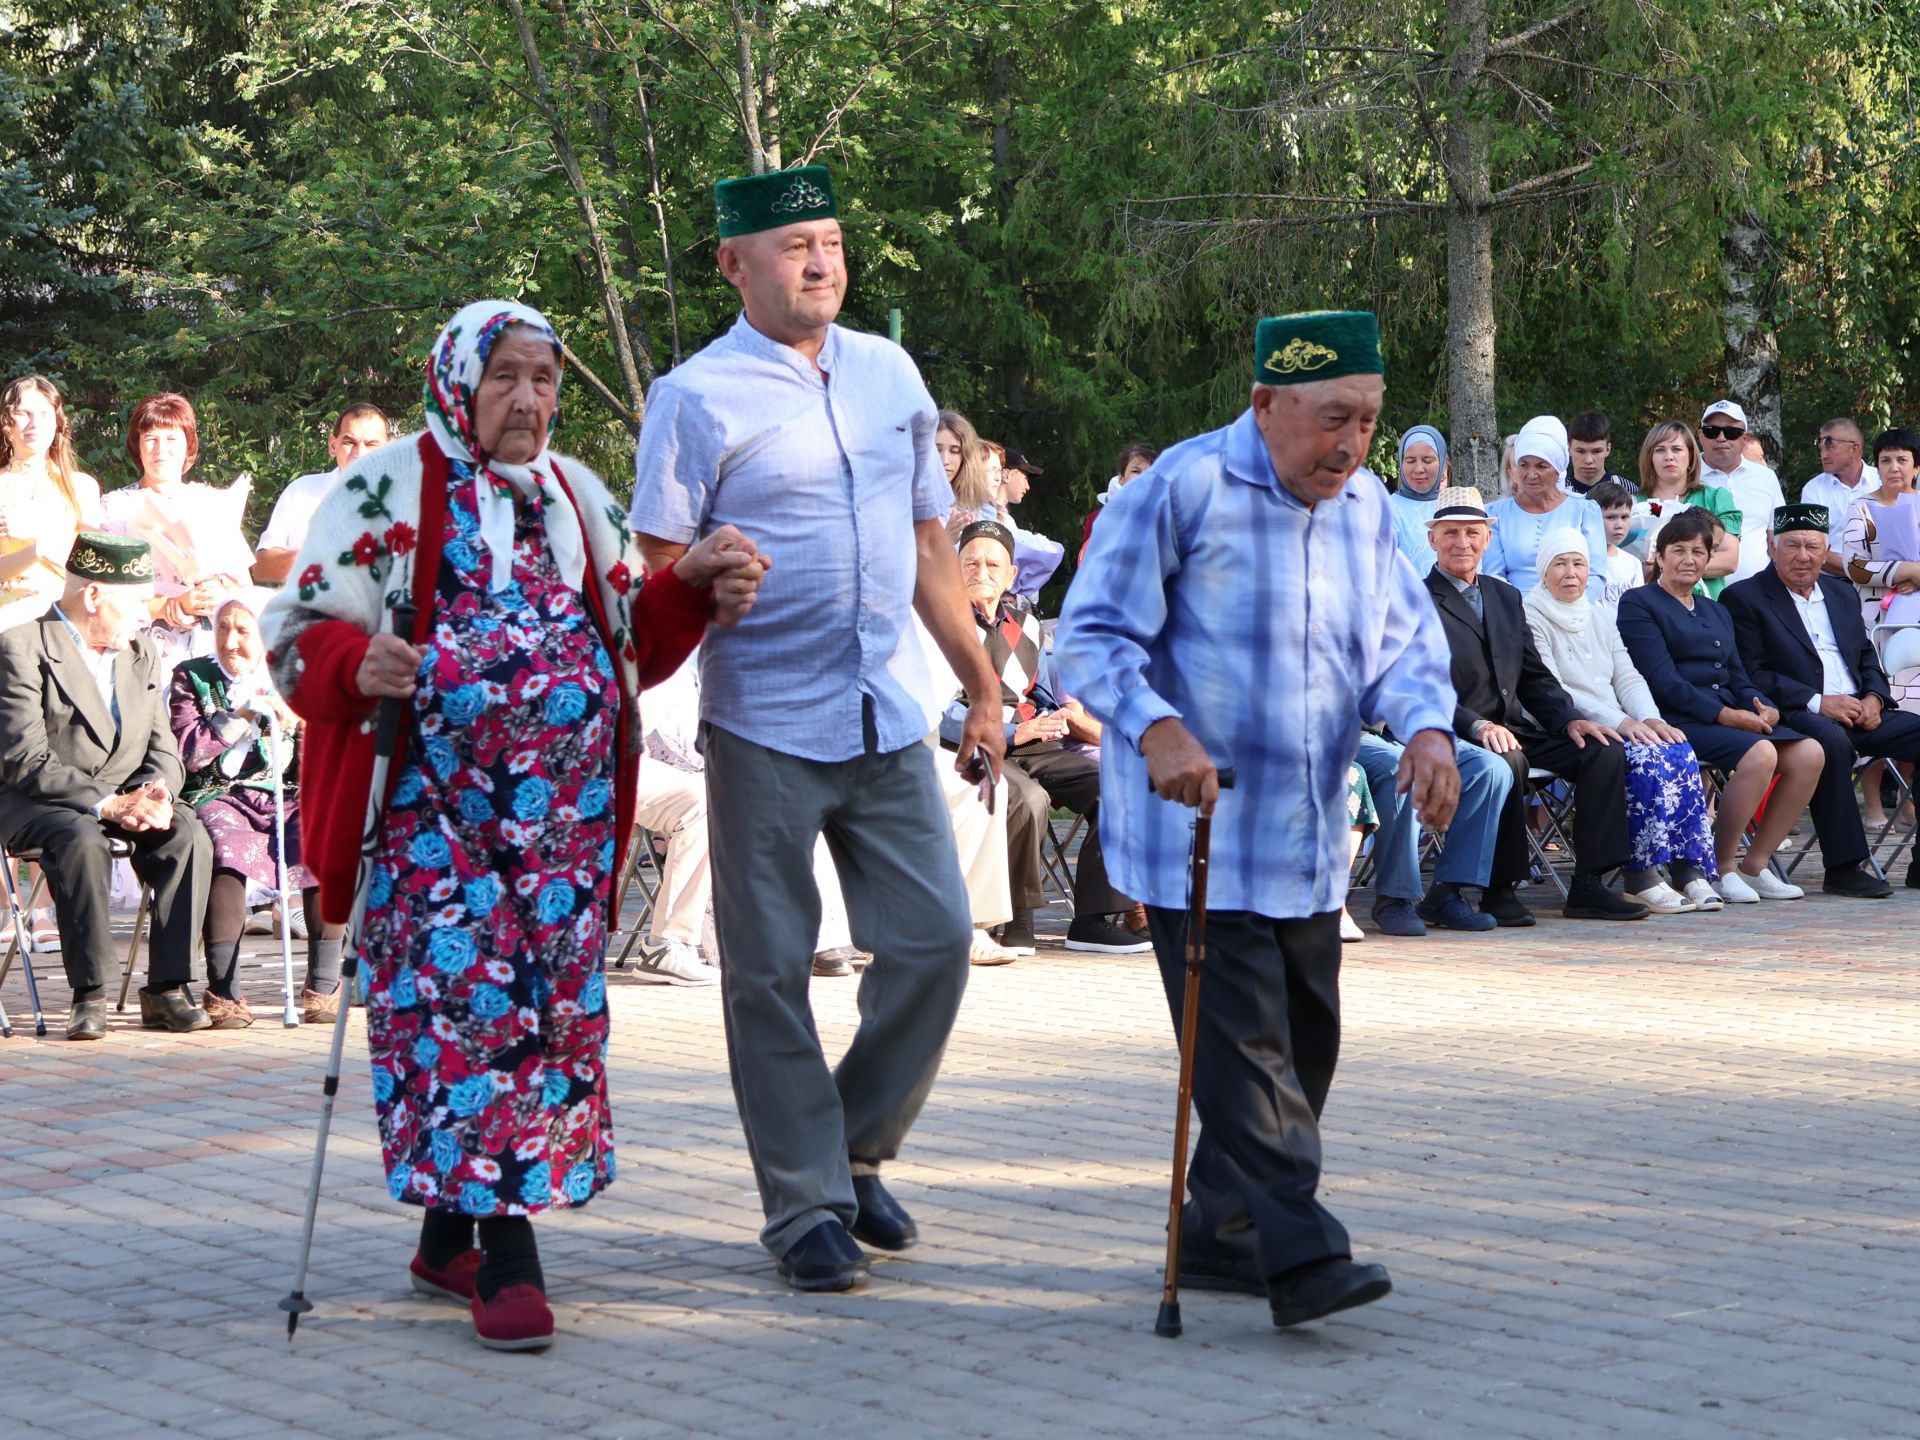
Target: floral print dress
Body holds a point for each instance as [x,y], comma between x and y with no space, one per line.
[485,929]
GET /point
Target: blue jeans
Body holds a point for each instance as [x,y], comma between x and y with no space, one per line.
[1467,856]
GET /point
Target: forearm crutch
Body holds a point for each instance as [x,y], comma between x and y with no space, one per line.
[386,737]
[1167,1322]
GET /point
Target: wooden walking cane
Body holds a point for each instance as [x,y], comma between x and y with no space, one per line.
[1167,1322]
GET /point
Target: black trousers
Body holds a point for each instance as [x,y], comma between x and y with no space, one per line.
[1836,814]
[1267,1040]
[177,863]
[1599,776]
[1037,781]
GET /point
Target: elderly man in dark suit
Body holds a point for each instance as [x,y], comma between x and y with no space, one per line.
[1803,643]
[1510,703]
[87,755]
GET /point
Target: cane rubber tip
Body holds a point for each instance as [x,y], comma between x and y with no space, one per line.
[40,1029]
[1167,1323]
[295,1305]
[291,1019]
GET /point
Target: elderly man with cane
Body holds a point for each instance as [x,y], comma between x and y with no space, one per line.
[1243,605]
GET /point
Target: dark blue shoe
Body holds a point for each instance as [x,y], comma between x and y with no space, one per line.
[825,1258]
[1448,909]
[881,1222]
[1397,917]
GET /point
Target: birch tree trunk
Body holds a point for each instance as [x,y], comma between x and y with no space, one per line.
[1749,270]
[1474,440]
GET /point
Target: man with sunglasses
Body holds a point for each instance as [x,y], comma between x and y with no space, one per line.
[1844,478]
[1723,462]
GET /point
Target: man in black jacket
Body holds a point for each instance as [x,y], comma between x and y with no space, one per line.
[1510,703]
[1805,645]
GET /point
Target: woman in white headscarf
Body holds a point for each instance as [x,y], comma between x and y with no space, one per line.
[511,799]
[1539,503]
[1666,808]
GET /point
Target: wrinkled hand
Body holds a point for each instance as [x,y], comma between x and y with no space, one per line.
[1428,772]
[1841,709]
[1498,739]
[983,733]
[1638,732]
[1581,731]
[1051,726]
[1672,734]
[1178,765]
[148,807]
[1743,720]
[725,550]
[388,668]
[1769,716]
[1870,712]
[200,598]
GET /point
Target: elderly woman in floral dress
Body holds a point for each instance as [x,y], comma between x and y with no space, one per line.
[511,803]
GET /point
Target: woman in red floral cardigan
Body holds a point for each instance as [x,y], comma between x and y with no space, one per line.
[511,802]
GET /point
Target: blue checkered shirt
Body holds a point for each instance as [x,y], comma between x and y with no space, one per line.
[1273,631]
[829,477]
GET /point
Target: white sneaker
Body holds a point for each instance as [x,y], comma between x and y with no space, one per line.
[1350,933]
[988,951]
[675,963]
[1704,896]
[1735,889]
[1769,886]
[1662,899]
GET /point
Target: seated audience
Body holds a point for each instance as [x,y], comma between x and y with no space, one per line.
[1509,703]
[1670,483]
[1802,642]
[1036,556]
[1589,444]
[215,705]
[1365,821]
[1624,568]
[1423,470]
[1880,539]
[1684,644]
[1538,504]
[1666,806]
[964,457]
[200,555]
[86,755]
[1041,770]
[1844,478]
[1135,460]
[45,498]
[1752,483]
[360,430]
[1466,855]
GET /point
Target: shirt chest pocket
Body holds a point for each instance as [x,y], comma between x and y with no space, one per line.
[882,451]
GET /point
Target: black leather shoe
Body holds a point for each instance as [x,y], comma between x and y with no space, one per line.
[1913,875]
[1505,908]
[88,1021]
[1206,1266]
[832,964]
[1324,1287]
[1590,898]
[881,1222]
[171,1010]
[1017,934]
[825,1258]
[1857,882]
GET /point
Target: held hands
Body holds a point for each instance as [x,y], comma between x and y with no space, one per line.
[1753,721]
[1051,726]
[1427,769]
[731,567]
[387,669]
[1179,767]
[1581,731]
[147,807]
[1842,709]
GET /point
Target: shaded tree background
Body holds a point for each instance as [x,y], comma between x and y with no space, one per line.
[1079,208]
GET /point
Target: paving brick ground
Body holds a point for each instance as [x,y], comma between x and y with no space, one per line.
[1655,1180]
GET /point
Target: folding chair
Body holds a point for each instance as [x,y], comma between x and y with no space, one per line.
[1558,827]
[1053,855]
[643,865]
[20,936]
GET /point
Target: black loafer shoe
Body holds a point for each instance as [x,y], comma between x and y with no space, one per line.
[1017,934]
[1505,908]
[1856,882]
[1206,1269]
[881,1222]
[1592,900]
[824,1259]
[1324,1287]
[171,1010]
[88,1021]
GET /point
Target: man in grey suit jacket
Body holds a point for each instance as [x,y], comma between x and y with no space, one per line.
[87,754]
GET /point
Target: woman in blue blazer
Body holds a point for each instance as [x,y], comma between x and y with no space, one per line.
[1683,644]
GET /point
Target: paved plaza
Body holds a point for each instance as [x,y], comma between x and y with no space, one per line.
[1654,1180]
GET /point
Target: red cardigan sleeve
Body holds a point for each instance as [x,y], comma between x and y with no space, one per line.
[669,617]
[330,653]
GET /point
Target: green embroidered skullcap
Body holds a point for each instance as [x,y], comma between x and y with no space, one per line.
[1800,517]
[779,197]
[104,559]
[1318,345]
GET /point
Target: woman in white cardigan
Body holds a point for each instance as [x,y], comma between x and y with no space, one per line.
[1666,806]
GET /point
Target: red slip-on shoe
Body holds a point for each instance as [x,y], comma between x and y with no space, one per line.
[453,1283]
[515,1319]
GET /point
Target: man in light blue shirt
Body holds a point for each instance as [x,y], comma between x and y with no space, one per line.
[818,442]
[1244,604]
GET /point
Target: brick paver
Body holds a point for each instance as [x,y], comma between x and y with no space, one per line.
[1652,1179]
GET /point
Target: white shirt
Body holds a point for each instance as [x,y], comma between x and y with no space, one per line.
[1624,571]
[293,511]
[1757,491]
[1826,489]
[1835,677]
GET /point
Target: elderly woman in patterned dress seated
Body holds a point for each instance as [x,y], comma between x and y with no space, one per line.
[511,802]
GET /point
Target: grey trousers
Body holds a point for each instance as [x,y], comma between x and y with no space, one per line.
[886,822]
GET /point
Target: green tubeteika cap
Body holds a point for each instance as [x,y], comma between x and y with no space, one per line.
[105,559]
[779,197]
[1317,345]
[1799,517]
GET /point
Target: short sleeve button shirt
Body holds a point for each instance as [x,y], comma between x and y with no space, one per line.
[827,466]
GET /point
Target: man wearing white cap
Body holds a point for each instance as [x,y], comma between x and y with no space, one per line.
[1723,462]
